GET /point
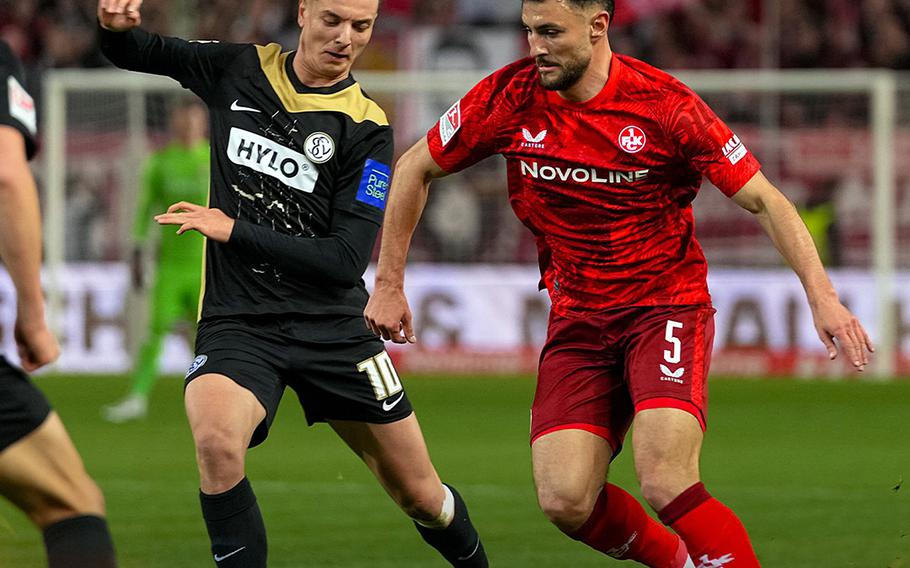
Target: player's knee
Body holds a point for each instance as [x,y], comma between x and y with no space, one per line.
[420,506]
[218,450]
[568,510]
[659,486]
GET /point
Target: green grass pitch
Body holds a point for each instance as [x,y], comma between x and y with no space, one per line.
[816,470]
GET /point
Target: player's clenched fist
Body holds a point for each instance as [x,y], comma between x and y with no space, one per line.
[119,15]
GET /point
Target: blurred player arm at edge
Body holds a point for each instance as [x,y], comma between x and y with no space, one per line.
[20,250]
[387,313]
[778,217]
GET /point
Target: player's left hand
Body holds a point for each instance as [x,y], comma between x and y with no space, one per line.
[834,321]
[212,223]
[35,343]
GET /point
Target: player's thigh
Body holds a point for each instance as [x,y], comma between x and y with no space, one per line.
[396,453]
[43,474]
[666,440]
[569,466]
[216,402]
[233,388]
[580,383]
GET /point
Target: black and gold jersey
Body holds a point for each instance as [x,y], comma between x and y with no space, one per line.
[304,171]
[17,107]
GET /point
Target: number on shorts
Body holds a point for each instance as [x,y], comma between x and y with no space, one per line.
[382,375]
[674,355]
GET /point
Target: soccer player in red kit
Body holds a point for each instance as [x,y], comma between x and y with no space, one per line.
[605,155]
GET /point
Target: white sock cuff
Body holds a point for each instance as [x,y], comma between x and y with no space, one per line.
[445,516]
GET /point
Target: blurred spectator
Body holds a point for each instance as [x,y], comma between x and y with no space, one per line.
[696,34]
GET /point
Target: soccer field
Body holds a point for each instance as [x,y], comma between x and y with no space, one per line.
[814,469]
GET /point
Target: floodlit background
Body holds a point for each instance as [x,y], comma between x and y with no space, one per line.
[817,89]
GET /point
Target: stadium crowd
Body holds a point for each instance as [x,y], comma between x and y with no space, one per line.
[695,34]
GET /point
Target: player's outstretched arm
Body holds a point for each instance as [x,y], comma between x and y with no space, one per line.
[198,66]
[20,250]
[387,313]
[783,224]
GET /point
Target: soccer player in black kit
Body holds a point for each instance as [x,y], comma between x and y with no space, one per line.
[300,174]
[40,470]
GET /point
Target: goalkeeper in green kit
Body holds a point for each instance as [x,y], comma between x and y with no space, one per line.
[177,172]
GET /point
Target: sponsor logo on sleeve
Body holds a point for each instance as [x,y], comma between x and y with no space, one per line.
[21,105]
[632,139]
[735,150]
[374,185]
[450,123]
[266,157]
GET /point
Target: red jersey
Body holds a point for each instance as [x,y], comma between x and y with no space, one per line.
[606,185]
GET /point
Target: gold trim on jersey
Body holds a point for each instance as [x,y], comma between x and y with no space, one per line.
[350,101]
[205,242]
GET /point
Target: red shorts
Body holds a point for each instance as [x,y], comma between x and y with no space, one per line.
[597,371]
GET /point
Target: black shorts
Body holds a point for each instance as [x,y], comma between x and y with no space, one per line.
[22,406]
[337,367]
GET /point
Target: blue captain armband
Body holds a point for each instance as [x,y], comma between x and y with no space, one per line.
[374,185]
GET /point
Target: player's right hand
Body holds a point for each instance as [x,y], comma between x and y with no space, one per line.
[387,315]
[35,343]
[119,15]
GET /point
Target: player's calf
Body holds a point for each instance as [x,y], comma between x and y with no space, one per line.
[453,534]
[619,527]
[79,542]
[714,534]
[235,526]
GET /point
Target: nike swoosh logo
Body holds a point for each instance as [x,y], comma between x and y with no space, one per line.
[220,558]
[238,108]
[389,406]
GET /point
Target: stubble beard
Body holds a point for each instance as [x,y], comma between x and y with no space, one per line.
[571,73]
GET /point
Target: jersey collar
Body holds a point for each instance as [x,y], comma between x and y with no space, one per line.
[304,89]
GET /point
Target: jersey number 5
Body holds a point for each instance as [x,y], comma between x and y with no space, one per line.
[674,355]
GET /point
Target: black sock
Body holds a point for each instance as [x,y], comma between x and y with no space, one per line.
[235,527]
[459,542]
[79,542]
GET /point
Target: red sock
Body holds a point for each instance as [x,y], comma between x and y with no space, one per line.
[620,527]
[714,534]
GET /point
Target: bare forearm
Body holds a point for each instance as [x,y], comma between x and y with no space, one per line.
[20,235]
[407,200]
[791,237]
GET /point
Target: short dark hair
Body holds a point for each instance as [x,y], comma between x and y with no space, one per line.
[608,5]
